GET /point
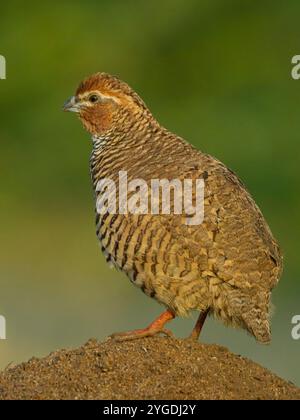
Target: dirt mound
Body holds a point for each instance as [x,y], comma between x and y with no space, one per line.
[151,368]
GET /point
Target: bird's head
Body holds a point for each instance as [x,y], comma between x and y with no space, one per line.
[104,103]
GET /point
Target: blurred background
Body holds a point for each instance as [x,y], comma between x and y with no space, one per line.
[217,72]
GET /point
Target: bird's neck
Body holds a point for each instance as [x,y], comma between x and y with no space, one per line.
[128,150]
[140,146]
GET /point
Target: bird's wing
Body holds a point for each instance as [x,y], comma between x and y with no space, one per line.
[233,243]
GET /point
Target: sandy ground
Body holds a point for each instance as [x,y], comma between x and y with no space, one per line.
[151,368]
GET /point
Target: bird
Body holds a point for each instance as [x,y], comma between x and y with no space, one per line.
[226,266]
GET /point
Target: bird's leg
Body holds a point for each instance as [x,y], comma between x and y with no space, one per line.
[199,324]
[157,326]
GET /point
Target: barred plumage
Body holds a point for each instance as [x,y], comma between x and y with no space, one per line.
[227,265]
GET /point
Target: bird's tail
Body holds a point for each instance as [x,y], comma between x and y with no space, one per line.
[257,320]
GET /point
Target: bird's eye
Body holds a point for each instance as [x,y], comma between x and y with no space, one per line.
[93,98]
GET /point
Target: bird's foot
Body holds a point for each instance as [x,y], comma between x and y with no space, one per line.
[156,327]
[133,335]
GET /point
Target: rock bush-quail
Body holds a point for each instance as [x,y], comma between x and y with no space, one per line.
[226,266]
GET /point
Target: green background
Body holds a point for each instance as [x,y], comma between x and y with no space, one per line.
[216,72]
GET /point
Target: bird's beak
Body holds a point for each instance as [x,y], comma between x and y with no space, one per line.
[72,105]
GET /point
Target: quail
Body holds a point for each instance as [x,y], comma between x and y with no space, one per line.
[225,266]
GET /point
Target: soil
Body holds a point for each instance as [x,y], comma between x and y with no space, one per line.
[151,368]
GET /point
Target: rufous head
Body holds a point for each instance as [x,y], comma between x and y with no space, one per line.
[103,102]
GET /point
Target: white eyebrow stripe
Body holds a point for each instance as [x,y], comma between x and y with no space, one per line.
[117,100]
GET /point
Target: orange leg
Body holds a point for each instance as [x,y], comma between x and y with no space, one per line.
[157,326]
[199,324]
